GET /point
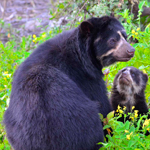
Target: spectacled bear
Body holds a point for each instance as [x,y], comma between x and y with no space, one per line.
[58,91]
[129,90]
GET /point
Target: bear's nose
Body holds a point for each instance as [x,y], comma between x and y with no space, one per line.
[125,73]
[131,51]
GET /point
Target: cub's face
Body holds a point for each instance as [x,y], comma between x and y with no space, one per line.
[130,80]
[108,40]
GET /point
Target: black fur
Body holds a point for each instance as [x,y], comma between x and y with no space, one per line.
[58,91]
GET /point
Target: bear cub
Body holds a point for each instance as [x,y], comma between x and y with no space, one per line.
[128,90]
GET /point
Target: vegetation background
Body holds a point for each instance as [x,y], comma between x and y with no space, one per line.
[20,34]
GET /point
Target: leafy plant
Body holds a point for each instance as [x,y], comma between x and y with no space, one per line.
[129,135]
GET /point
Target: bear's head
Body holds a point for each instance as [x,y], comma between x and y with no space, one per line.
[130,80]
[107,40]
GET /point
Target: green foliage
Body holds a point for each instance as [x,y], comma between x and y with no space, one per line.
[129,135]
[4,145]
[10,58]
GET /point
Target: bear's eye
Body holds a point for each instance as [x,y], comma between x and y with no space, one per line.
[112,42]
[123,70]
[133,74]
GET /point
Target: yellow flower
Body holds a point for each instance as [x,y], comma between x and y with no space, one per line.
[133,107]
[133,36]
[133,31]
[136,33]
[144,71]
[132,118]
[5,79]
[7,75]
[128,137]
[6,72]
[124,108]
[126,131]
[136,111]
[148,129]
[135,115]
[118,107]
[137,29]
[44,35]
[33,41]
[34,36]
[146,123]
[120,111]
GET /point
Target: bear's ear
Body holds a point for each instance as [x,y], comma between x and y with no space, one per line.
[105,20]
[145,77]
[86,27]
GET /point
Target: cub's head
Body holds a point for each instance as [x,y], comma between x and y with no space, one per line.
[106,40]
[130,80]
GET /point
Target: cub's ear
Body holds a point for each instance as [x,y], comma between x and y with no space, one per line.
[86,27]
[145,77]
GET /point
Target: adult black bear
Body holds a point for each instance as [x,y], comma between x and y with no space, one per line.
[58,91]
[129,90]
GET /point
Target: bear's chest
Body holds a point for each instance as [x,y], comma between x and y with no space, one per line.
[93,89]
[96,91]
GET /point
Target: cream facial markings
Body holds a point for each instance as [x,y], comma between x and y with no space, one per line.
[121,35]
[97,40]
[120,43]
[127,90]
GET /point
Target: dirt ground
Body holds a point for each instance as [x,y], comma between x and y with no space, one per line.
[24,16]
